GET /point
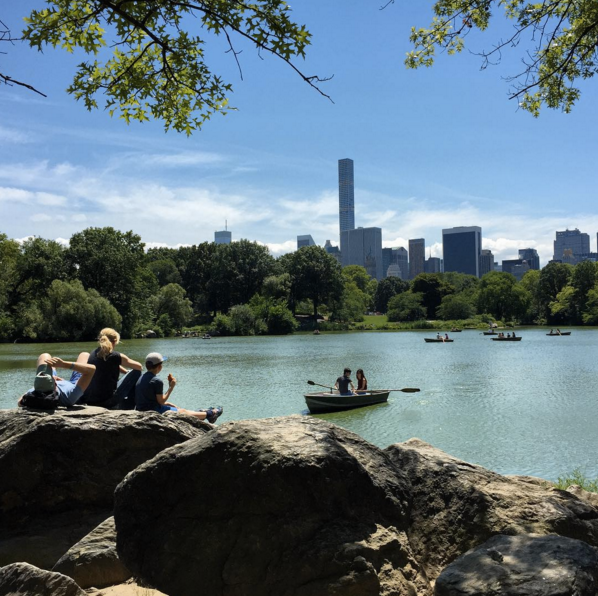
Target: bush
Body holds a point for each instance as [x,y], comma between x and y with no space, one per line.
[281,320]
[577,477]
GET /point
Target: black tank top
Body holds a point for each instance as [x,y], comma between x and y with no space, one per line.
[104,381]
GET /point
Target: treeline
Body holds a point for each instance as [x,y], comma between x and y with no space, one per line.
[106,278]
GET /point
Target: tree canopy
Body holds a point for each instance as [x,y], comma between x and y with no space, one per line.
[157,67]
[557,41]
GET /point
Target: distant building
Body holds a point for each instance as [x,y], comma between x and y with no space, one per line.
[417,257]
[486,262]
[346,195]
[433,265]
[363,246]
[570,245]
[516,267]
[333,251]
[462,248]
[531,256]
[395,256]
[305,240]
[394,271]
[223,237]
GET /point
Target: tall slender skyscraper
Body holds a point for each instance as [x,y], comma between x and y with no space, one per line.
[417,257]
[346,195]
[462,248]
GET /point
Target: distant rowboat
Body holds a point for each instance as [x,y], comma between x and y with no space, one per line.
[506,339]
[429,340]
[561,333]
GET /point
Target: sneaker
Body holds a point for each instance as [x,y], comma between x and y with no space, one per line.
[213,413]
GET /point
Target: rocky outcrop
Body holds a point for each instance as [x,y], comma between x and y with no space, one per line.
[93,561]
[457,506]
[22,579]
[517,565]
[277,507]
[59,471]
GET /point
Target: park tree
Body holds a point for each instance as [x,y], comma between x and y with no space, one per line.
[172,303]
[315,276]
[195,266]
[455,307]
[502,297]
[148,58]
[109,261]
[166,272]
[407,306]
[9,253]
[433,289]
[556,42]
[553,278]
[583,280]
[387,288]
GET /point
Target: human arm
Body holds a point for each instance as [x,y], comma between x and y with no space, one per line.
[162,398]
[126,361]
[80,365]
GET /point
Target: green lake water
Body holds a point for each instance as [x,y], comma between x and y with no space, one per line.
[526,407]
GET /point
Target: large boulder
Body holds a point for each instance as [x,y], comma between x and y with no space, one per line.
[22,579]
[59,471]
[93,561]
[280,507]
[517,565]
[458,506]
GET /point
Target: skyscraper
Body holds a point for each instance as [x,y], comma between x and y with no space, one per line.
[417,257]
[433,265]
[531,256]
[223,237]
[305,240]
[462,248]
[486,262]
[570,245]
[333,251]
[346,195]
[363,246]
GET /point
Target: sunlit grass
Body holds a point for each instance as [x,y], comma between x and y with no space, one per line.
[579,478]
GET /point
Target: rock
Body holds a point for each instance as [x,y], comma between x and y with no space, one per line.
[584,495]
[93,561]
[458,506]
[279,507]
[22,579]
[59,471]
[530,565]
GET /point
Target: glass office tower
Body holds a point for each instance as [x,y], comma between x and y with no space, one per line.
[462,248]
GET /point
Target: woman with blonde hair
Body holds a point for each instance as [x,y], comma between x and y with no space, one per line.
[105,390]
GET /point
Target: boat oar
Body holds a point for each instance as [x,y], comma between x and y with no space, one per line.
[320,385]
[404,390]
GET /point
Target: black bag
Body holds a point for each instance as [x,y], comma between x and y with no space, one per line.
[40,401]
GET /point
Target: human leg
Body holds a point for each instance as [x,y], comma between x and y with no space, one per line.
[125,390]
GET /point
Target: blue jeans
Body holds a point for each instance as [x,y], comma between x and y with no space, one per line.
[125,391]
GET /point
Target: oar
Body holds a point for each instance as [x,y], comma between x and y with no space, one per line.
[404,390]
[320,385]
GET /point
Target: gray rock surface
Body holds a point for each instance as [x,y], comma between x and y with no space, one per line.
[458,506]
[93,561]
[22,579]
[279,507]
[59,471]
[523,565]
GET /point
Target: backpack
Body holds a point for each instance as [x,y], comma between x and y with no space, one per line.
[40,401]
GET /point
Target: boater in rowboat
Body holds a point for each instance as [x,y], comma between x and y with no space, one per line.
[342,383]
[362,382]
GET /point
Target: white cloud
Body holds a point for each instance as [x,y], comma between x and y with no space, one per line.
[277,249]
[10,135]
[40,217]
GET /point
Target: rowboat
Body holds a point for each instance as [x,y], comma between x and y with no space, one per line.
[506,339]
[323,401]
[561,333]
[456,330]
[489,332]
[429,340]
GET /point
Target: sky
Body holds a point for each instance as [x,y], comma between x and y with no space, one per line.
[433,148]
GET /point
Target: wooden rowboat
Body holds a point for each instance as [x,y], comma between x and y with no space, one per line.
[433,340]
[506,339]
[561,333]
[490,332]
[323,401]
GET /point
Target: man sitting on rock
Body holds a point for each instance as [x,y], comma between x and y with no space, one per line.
[47,383]
[150,396]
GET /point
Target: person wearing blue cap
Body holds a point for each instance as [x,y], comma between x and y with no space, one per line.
[150,395]
[47,383]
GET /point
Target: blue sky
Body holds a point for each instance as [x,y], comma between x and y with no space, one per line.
[433,148]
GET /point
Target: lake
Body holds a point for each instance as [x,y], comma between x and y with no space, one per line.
[524,407]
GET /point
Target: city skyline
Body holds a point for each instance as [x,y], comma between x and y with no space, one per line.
[426,160]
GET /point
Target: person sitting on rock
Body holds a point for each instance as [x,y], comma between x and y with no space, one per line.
[68,392]
[150,396]
[105,390]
